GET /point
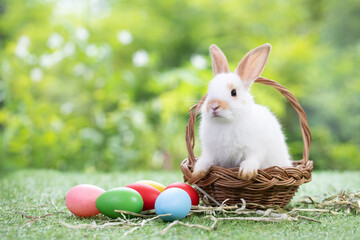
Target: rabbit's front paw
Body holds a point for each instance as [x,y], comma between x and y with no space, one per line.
[202,167]
[200,174]
[248,170]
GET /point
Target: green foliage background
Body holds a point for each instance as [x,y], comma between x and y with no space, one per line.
[106,85]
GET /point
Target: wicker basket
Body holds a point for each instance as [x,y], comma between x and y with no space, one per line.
[272,186]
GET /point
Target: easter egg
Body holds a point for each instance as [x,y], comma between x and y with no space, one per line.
[148,194]
[174,201]
[80,200]
[154,184]
[121,198]
[187,188]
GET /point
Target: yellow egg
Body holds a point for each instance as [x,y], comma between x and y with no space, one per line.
[154,184]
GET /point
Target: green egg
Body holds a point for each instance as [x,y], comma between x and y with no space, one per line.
[121,198]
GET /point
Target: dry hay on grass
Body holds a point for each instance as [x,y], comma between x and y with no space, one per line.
[348,202]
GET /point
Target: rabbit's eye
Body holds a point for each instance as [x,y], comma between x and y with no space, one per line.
[233,93]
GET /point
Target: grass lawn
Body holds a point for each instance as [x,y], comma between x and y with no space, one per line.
[40,192]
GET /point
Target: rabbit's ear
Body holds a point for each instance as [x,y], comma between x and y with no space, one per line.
[252,65]
[219,62]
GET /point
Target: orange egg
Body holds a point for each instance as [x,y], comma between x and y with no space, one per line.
[154,184]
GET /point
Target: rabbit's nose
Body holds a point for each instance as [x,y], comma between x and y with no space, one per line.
[214,107]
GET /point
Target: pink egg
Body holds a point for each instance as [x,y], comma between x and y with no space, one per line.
[80,200]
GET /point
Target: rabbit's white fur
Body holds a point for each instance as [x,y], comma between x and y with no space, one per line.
[240,133]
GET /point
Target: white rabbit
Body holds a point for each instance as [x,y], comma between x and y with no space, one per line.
[234,130]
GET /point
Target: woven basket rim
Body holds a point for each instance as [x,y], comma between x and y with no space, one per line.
[266,178]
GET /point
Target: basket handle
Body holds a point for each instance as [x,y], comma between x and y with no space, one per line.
[305,130]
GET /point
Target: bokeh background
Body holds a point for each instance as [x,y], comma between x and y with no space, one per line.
[105,85]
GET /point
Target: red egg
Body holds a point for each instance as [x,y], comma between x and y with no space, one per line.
[148,194]
[80,200]
[189,189]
